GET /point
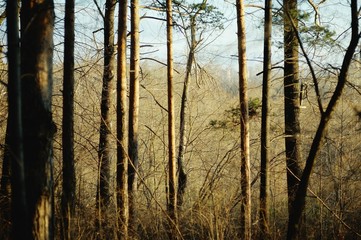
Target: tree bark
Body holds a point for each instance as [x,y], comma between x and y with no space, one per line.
[133,106]
[172,198]
[291,98]
[14,155]
[37,20]
[245,222]
[103,190]
[298,204]
[182,176]
[69,179]
[265,128]
[122,145]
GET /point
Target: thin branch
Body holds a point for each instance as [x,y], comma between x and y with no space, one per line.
[154,98]
[99,9]
[157,61]
[3,83]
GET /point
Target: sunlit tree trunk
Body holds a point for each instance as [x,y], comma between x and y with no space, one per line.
[122,147]
[298,205]
[245,221]
[37,20]
[172,190]
[265,128]
[103,190]
[69,180]
[133,105]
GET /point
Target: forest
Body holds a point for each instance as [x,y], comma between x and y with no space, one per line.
[183,119]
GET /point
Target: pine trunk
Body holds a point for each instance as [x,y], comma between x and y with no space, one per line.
[122,147]
[291,98]
[37,20]
[103,191]
[69,179]
[245,222]
[133,106]
[265,128]
[172,198]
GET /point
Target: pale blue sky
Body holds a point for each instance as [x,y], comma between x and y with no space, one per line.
[223,44]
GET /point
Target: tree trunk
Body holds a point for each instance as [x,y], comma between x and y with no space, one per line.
[133,106]
[37,20]
[265,128]
[14,155]
[172,198]
[122,147]
[103,190]
[299,202]
[69,179]
[291,98]
[245,222]
[182,176]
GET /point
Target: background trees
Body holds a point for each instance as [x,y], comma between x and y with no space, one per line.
[212,202]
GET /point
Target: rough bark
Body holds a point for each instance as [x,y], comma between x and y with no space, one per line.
[37,19]
[69,179]
[104,151]
[299,202]
[122,147]
[245,218]
[133,105]
[265,128]
[14,150]
[291,98]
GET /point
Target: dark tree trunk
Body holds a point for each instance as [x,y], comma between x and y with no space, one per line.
[103,191]
[265,128]
[291,98]
[37,19]
[299,202]
[122,147]
[69,179]
[14,155]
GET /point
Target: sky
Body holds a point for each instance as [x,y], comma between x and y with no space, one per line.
[220,47]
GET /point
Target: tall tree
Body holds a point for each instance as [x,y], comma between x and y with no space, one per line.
[133,104]
[37,20]
[172,198]
[245,222]
[103,190]
[298,205]
[291,97]
[265,128]
[69,179]
[122,147]
[14,150]
[192,44]
[193,20]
